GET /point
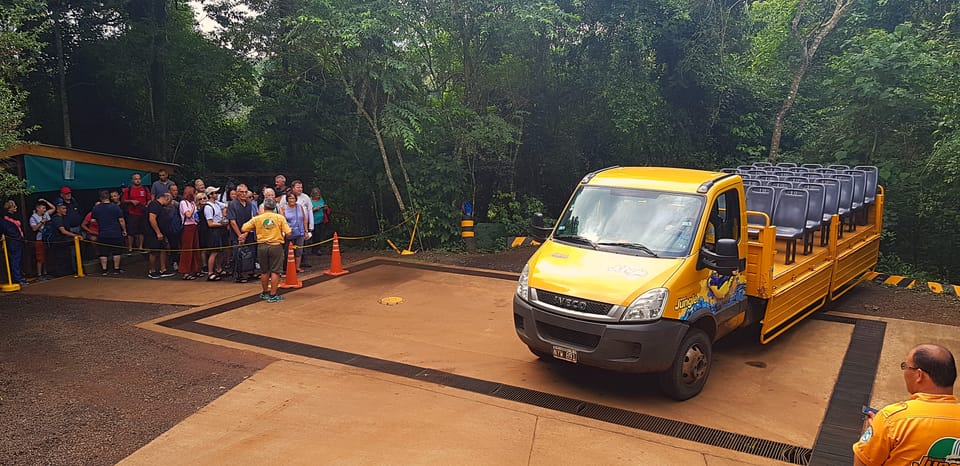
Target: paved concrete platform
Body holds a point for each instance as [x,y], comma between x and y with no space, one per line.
[442,378]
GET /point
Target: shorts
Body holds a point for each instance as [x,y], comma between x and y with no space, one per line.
[153,244]
[110,246]
[213,238]
[136,224]
[40,250]
[270,257]
[297,243]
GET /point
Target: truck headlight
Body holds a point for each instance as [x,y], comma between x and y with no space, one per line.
[523,289]
[648,306]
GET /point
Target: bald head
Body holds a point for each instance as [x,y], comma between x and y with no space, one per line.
[937,362]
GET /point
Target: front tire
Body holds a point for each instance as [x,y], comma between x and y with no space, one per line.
[691,366]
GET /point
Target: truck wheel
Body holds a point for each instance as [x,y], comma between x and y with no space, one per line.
[691,366]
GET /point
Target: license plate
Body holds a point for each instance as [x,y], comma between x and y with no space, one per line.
[566,354]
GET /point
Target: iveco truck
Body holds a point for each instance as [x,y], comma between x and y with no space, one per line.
[646,268]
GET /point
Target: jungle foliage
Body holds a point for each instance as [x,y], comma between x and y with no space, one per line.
[396,108]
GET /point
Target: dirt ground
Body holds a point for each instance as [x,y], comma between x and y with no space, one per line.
[81,385]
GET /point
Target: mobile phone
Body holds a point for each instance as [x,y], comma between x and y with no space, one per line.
[867,410]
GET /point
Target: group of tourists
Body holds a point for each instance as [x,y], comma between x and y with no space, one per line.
[198,232]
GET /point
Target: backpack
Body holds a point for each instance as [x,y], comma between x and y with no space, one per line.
[46,233]
[174,224]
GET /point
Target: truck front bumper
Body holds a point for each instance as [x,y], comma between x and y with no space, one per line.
[645,347]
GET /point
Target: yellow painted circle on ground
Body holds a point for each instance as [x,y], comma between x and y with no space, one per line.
[391,300]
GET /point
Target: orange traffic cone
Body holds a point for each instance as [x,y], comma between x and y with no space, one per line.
[335,267]
[291,280]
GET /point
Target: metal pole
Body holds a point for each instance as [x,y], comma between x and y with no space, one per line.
[76,246]
[10,286]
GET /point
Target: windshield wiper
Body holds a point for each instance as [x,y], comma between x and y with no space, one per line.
[636,246]
[576,239]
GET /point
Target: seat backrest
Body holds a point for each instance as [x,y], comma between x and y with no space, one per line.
[798,171]
[826,171]
[859,185]
[750,182]
[797,179]
[846,191]
[781,184]
[786,164]
[831,195]
[791,209]
[782,173]
[870,190]
[767,177]
[729,170]
[839,167]
[745,167]
[817,193]
[811,165]
[760,199]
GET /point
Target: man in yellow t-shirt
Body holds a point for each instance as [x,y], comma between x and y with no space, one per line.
[924,430]
[271,228]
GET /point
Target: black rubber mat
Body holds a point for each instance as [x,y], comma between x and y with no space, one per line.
[840,428]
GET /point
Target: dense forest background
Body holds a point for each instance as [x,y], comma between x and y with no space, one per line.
[401,107]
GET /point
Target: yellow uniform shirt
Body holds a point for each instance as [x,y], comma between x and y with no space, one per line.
[924,430]
[270,227]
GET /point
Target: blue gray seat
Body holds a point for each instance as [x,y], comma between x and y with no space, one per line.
[815,215]
[831,206]
[759,199]
[790,217]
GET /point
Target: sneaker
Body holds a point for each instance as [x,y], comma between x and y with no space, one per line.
[175,265]
[118,271]
[274,299]
[154,275]
[104,272]
[265,295]
[167,273]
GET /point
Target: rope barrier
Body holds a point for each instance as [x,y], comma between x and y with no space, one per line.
[217,248]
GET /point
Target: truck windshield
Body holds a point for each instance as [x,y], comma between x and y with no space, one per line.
[633,221]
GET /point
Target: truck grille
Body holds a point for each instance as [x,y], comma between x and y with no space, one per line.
[573,304]
[564,335]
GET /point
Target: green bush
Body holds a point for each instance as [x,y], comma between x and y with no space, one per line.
[513,213]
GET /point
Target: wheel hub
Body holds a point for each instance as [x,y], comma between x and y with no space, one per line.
[694,364]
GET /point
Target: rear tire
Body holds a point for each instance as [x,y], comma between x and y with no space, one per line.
[691,366]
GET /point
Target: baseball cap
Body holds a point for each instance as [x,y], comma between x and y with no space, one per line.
[211,190]
[65,190]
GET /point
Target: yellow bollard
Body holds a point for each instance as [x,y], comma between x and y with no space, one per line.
[76,246]
[10,286]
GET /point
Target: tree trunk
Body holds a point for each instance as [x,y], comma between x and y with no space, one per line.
[61,72]
[158,81]
[380,145]
[807,52]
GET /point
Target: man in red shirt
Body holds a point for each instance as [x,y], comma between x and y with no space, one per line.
[136,198]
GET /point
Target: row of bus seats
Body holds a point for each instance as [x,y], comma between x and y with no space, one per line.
[800,200]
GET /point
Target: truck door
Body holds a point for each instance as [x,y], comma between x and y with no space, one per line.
[723,295]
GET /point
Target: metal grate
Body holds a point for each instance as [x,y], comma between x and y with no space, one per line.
[573,303]
[843,420]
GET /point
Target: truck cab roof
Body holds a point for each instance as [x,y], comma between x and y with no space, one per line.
[654,178]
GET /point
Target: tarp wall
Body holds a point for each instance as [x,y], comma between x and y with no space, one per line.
[46,174]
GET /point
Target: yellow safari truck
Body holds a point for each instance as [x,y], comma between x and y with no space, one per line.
[647,267]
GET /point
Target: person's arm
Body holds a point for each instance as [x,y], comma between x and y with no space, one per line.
[85,225]
[246,226]
[210,222]
[152,218]
[65,232]
[123,226]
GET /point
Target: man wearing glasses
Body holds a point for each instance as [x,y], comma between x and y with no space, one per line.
[924,429]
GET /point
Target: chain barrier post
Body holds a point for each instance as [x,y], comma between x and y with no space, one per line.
[76,247]
[10,286]
[466,227]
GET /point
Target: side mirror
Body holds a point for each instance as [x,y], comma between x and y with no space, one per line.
[538,231]
[725,260]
